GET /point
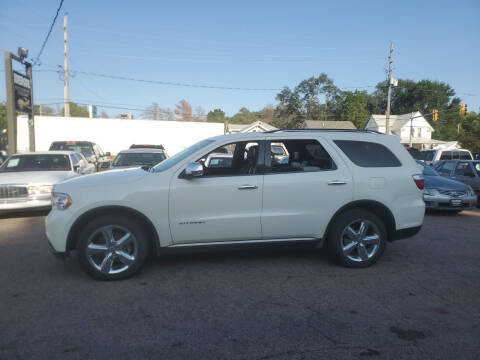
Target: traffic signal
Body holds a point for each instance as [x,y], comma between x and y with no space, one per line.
[463,109]
[435,115]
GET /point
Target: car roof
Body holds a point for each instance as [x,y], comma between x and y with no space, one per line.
[142,150]
[73,142]
[52,152]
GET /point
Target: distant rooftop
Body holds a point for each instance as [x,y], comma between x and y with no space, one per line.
[319,124]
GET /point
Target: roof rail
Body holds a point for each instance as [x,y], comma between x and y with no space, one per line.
[326,130]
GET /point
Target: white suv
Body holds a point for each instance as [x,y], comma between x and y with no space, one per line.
[351,191]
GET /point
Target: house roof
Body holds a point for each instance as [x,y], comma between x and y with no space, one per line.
[319,124]
[247,127]
[396,121]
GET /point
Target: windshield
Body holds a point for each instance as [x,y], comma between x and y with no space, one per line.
[83,148]
[36,163]
[428,155]
[138,159]
[167,164]
[427,170]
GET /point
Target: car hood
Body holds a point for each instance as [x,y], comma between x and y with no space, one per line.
[106,178]
[439,182]
[34,177]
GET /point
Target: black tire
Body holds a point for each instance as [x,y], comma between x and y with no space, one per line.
[140,249]
[336,238]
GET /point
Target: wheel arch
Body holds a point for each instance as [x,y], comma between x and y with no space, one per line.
[83,219]
[375,207]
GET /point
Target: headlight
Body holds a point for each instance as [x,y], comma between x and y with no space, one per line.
[430,192]
[39,189]
[61,201]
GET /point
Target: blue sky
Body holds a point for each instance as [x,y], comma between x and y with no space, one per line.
[251,44]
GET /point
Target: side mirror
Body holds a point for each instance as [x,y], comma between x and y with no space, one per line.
[193,169]
[77,169]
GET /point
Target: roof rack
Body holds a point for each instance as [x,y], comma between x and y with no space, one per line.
[326,130]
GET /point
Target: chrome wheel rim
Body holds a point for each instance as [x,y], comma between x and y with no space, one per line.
[112,249]
[360,240]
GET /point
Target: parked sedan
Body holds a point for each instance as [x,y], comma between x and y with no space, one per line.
[26,180]
[467,172]
[440,193]
[138,157]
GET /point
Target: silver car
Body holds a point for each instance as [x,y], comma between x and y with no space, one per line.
[26,180]
[440,193]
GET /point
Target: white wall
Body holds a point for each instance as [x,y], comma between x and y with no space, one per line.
[114,135]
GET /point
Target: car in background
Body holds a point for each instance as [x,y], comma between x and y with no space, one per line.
[138,158]
[92,152]
[26,180]
[416,154]
[476,155]
[440,193]
[432,156]
[467,172]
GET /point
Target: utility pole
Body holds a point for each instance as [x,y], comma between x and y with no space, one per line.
[11,112]
[387,117]
[66,85]
[411,128]
[31,114]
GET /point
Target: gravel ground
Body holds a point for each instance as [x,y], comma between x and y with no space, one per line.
[421,300]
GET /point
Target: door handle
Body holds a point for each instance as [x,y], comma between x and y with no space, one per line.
[247,187]
[337,182]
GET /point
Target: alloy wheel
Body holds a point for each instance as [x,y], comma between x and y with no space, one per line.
[360,240]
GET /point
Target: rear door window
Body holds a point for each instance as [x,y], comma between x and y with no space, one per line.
[463,169]
[465,155]
[368,154]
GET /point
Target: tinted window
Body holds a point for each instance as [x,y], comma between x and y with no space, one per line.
[464,169]
[36,163]
[446,155]
[428,155]
[300,155]
[167,164]
[446,168]
[138,159]
[464,155]
[368,154]
[75,159]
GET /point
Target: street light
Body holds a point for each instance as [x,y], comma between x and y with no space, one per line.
[22,52]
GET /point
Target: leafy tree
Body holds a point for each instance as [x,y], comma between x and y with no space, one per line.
[244,116]
[469,135]
[216,115]
[200,114]
[76,110]
[155,112]
[3,116]
[46,110]
[183,110]
[315,98]
[353,107]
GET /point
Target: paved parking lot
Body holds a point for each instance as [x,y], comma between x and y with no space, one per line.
[420,301]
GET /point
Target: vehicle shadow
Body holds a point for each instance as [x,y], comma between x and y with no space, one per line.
[23,214]
[473,212]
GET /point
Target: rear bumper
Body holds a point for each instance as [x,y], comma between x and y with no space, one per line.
[405,233]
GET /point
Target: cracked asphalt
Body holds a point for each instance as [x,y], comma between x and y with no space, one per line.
[420,301]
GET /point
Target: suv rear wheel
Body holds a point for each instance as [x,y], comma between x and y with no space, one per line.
[112,247]
[357,238]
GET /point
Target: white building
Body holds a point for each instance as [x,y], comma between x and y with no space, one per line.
[114,135]
[257,126]
[404,125]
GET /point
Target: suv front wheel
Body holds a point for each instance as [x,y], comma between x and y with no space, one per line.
[357,238]
[112,247]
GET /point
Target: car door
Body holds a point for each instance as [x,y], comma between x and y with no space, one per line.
[222,205]
[302,192]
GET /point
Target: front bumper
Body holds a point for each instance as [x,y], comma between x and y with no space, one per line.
[25,203]
[449,203]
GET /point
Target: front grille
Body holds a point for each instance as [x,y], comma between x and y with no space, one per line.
[13,191]
[454,193]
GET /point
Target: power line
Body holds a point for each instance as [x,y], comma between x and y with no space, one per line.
[36,61]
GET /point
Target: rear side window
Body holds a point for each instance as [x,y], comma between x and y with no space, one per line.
[368,154]
[446,155]
[464,155]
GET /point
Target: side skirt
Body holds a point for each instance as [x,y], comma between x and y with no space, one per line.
[247,242]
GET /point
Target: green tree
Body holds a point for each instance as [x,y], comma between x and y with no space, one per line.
[244,116]
[315,98]
[46,110]
[76,110]
[3,116]
[216,115]
[354,107]
[469,135]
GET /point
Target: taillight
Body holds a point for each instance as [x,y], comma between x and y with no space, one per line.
[419,181]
